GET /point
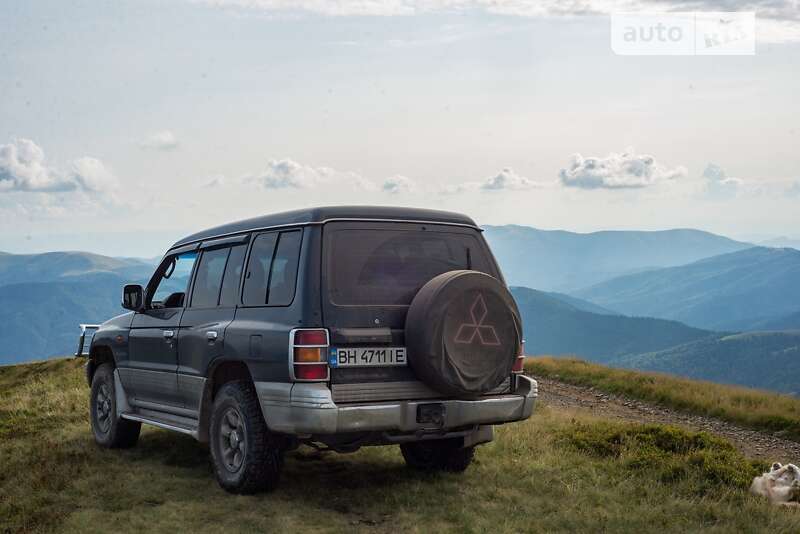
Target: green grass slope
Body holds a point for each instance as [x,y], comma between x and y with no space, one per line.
[557,472]
[767,360]
[553,326]
[731,292]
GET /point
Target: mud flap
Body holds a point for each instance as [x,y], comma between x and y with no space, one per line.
[483,434]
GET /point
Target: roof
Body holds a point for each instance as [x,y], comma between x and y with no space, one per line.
[324,214]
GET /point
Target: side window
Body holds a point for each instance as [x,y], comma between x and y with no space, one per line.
[208,280]
[233,273]
[255,281]
[283,277]
[173,281]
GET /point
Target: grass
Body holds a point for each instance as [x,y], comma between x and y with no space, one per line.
[760,410]
[558,471]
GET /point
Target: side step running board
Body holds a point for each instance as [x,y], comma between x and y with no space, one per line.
[160,424]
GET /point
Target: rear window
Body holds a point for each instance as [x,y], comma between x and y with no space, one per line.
[384,267]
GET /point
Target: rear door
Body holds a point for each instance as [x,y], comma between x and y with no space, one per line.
[210,310]
[370,274]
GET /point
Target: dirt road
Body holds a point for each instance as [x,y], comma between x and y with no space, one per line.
[559,395]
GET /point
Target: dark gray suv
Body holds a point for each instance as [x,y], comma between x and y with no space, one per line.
[337,327]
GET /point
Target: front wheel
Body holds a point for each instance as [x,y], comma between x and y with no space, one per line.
[245,455]
[438,455]
[109,429]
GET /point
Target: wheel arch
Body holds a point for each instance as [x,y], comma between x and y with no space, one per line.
[98,355]
[220,372]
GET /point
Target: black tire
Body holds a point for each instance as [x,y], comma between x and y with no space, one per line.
[438,455]
[246,457]
[110,430]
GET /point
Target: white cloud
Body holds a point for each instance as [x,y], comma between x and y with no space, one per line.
[508,179]
[505,180]
[23,169]
[399,184]
[794,189]
[778,20]
[285,173]
[718,184]
[627,170]
[92,175]
[289,174]
[164,140]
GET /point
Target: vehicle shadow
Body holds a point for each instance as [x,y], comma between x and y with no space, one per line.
[306,472]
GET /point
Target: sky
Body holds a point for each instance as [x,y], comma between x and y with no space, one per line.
[125,125]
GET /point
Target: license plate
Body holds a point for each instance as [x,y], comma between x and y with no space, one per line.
[367,357]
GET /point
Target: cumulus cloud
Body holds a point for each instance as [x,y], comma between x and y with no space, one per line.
[23,168]
[289,174]
[164,140]
[399,184]
[505,180]
[626,170]
[286,173]
[508,179]
[91,174]
[718,184]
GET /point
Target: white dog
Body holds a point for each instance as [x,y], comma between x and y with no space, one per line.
[781,485]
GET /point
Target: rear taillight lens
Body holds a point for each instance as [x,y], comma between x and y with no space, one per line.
[309,352]
[519,364]
[311,372]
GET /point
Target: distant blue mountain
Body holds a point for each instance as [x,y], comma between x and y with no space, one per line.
[580,304]
[737,291]
[552,326]
[556,260]
[767,360]
[60,266]
[40,320]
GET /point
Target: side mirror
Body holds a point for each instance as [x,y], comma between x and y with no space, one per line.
[133,297]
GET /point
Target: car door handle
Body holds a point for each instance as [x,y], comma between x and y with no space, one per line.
[169,334]
[211,335]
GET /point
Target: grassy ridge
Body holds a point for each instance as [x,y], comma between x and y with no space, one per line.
[558,471]
[753,408]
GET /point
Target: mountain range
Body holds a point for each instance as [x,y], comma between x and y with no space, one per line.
[742,290]
[561,327]
[557,260]
[767,360]
[681,301]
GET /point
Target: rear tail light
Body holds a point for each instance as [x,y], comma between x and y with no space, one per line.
[308,349]
[519,364]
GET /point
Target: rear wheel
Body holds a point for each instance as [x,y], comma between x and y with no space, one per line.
[109,429]
[246,457]
[438,455]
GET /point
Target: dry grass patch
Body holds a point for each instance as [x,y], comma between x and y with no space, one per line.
[753,408]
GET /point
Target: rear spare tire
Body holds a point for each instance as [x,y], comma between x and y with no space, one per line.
[463,333]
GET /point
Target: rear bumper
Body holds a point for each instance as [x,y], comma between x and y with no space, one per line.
[308,409]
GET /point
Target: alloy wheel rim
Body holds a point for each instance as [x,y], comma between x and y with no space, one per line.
[232,440]
[103,408]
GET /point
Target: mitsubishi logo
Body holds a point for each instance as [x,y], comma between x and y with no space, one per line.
[486,334]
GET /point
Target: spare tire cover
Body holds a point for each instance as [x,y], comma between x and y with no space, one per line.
[463,333]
